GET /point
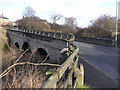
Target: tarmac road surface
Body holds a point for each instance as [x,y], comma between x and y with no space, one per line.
[104,58]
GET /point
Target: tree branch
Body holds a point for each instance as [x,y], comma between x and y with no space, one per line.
[23,63]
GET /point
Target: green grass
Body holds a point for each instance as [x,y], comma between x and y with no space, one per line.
[84,87]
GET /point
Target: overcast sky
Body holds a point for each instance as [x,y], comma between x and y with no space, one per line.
[83,10]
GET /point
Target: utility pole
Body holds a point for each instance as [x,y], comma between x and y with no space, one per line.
[116,31]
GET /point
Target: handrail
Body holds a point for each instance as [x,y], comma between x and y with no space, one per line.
[60,71]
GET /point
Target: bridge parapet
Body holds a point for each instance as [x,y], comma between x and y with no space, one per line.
[62,36]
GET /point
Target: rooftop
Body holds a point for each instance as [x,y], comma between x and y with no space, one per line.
[1,16]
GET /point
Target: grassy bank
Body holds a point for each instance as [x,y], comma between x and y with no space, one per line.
[3,39]
[84,87]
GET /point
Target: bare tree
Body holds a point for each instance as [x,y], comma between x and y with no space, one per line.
[55,17]
[71,22]
[29,12]
[102,26]
[105,22]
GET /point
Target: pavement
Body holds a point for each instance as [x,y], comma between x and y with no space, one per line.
[104,58]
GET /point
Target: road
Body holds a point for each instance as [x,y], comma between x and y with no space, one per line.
[93,78]
[103,58]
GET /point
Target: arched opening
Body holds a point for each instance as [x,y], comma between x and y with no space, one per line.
[25,46]
[40,55]
[17,45]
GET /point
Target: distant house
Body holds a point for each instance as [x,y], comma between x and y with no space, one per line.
[4,20]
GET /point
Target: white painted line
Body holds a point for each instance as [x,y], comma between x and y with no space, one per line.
[116,81]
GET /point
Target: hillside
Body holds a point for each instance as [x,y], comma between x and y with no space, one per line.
[39,24]
[3,38]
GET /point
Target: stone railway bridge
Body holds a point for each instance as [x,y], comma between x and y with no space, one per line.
[46,43]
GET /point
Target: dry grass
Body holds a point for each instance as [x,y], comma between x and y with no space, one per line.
[25,77]
[8,57]
[3,38]
[6,53]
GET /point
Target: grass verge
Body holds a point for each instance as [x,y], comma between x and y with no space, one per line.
[84,87]
[3,39]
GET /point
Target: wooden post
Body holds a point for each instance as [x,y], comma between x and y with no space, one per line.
[55,85]
[82,74]
[79,74]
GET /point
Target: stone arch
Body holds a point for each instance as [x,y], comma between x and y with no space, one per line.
[40,55]
[17,45]
[26,46]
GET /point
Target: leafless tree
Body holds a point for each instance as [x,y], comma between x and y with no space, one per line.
[29,12]
[55,17]
[71,22]
[103,26]
[105,22]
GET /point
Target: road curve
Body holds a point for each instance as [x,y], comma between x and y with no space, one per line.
[102,57]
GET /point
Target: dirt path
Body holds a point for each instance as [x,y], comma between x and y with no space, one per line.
[95,78]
